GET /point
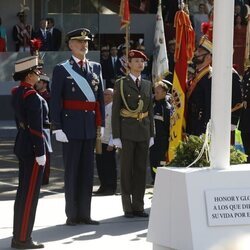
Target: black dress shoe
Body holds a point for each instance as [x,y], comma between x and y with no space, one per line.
[71,222]
[99,190]
[105,192]
[140,214]
[128,215]
[26,244]
[88,221]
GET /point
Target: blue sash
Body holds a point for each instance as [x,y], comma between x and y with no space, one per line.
[80,81]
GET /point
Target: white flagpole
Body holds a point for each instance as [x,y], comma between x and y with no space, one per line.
[222,83]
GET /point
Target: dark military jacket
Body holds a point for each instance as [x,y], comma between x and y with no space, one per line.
[162,110]
[131,128]
[236,98]
[76,124]
[244,125]
[199,106]
[31,115]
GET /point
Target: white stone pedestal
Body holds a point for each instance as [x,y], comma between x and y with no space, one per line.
[179,218]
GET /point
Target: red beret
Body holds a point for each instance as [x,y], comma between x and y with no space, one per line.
[137,54]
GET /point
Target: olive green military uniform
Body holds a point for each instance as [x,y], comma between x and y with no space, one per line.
[132,122]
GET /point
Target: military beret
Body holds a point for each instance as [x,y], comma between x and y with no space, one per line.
[24,65]
[137,54]
[79,34]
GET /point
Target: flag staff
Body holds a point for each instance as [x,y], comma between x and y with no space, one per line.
[127,38]
[125,22]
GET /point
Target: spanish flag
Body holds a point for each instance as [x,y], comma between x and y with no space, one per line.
[124,13]
[184,52]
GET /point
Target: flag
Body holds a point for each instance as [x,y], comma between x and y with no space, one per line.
[124,13]
[184,52]
[160,59]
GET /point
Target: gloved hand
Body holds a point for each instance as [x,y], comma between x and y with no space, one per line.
[117,142]
[60,136]
[102,131]
[41,160]
[151,141]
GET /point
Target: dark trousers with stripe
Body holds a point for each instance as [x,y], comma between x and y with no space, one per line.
[106,168]
[134,157]
[46,173]
[78,157]
[30,179]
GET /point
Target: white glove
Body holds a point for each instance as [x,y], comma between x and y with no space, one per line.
[151,141]
[102,131]
[41,160]
[111,141]
[60,136]
[117,142]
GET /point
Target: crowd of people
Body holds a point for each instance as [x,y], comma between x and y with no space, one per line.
[114,101]
[23,33]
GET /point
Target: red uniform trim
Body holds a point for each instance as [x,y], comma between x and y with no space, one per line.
[25,84]
[14,90]
[28,202]
[29,92]
[82,105]
[35,132]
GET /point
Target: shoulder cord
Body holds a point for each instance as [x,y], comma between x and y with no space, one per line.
[140,104]
[205,147]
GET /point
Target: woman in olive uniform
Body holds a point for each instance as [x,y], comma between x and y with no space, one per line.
[132,126]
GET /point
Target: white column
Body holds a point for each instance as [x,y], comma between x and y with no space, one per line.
[222,83]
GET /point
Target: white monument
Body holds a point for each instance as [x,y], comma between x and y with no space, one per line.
[208,208]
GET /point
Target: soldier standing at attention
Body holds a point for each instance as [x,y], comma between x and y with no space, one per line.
[77,109]
[162,109]
[32,141]
[199,92]
[132,126]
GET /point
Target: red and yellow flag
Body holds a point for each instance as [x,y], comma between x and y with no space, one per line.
[124,13]
[184,51]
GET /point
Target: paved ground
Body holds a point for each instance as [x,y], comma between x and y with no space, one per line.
[114,232]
